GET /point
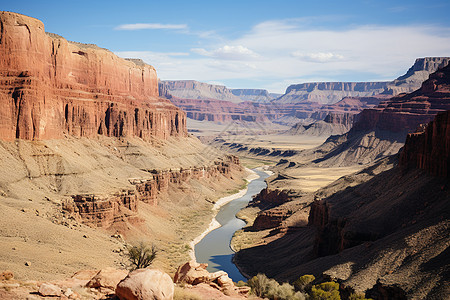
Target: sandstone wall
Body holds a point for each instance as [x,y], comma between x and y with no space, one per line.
[50,87]
[430,149]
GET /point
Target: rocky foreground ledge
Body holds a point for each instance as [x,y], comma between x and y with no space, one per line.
[191,280]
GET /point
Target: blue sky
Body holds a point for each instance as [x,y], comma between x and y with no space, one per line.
[256,44]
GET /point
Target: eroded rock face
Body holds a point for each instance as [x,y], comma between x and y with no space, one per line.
[104,210]
[430,148]
[405,112]
[50,87]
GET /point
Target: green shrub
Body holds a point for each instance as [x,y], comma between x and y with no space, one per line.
[303,283]
[141,255]
[269,288]
[241,283]
[325,291]
[355,296]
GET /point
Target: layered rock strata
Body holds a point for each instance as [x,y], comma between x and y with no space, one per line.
[50,87]
[429,149]
[104,210]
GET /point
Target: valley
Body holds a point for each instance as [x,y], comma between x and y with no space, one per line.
[100,156]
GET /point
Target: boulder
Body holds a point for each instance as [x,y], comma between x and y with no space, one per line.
[107,278]
[49,290]
[194,273]
[145,284]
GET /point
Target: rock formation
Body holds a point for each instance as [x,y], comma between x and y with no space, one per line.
[145,284]
[429,149]
[333,124]
[330,92]
[104,210]
[50,87]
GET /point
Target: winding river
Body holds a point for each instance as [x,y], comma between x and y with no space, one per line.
[214,248]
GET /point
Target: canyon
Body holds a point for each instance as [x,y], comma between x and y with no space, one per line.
[378,231]
[97,150]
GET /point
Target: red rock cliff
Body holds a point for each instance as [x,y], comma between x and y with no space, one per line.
[405,112]
[430,149]
[50,87]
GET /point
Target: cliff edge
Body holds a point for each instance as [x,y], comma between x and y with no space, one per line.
[50,87]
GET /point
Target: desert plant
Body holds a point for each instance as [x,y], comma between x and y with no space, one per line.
[355,296]
[241,283]
[325,291]
[304,283]
[141,255]
[258,284]
[269,288]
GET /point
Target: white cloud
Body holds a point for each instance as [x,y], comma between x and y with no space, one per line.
[320,57]
[278,53]
[228,53]
[139,26]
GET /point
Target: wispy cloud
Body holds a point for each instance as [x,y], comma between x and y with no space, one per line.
[319,57]
[140,26]
[228,53]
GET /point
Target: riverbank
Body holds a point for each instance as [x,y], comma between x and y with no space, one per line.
[221,202]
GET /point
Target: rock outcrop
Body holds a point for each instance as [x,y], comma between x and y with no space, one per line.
[143,284]
[50,87]
[105,210]
[194,273]
[430,149]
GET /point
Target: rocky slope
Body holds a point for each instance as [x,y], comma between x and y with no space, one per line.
[382,231]
[50,87]
[333,124]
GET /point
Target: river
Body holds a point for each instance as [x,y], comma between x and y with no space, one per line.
[214,248]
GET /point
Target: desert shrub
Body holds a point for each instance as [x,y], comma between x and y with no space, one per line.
[304,283]
[269,288]
[325,291]
[241,283]
[141,255]
[355,296]
[283,291]
[258,284]
[183,294]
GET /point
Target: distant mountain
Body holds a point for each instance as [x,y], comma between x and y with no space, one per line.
[255,95]
[381,131]
[332,92]
[191,89]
